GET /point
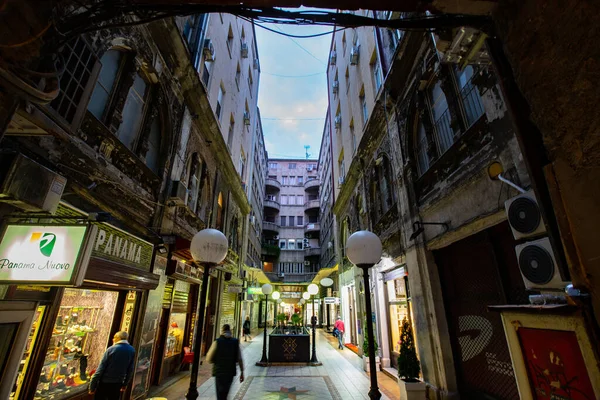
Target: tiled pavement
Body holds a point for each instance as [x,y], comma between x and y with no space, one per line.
[339,378]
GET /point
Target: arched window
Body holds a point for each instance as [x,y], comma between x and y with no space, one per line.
[111,63]
[384,176]
[133,112]
[154,142]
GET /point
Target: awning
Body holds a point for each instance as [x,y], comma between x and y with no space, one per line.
[256,273]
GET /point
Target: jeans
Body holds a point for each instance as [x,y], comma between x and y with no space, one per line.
[223,384]
[341,339]
[108,391]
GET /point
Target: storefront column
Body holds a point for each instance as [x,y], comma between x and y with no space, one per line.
[382,320]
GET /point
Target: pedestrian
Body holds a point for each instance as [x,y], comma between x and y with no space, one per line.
[115,370]
[224,353]
[246,328]
[339,325]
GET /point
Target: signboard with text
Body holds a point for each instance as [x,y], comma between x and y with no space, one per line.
[254,290]
[46,255]
[116,245]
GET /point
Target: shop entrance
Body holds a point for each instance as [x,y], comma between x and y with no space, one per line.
[352,306]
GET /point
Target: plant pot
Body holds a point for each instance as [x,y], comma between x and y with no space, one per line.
[366,364]
[412,390]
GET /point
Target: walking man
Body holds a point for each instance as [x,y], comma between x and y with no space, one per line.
[339,325]
[246,328]
[224,353]
[115,370]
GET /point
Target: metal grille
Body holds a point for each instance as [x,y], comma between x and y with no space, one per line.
[471,281]
[444,132]
[80,61]
[472,102]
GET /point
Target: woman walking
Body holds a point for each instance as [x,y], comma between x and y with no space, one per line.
[246,328]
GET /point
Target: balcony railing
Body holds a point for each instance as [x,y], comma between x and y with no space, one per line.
[313,251]
[472,102]
[272,204]
[311,204]
[311,183]
[312,227]
[445,134]
[270,226]
[273,182]
[289,277]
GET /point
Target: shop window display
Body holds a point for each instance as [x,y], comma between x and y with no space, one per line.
[398,309]
[174,342]
[79,338]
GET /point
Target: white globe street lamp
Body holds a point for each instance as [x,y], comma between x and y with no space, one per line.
[313,289]
[208,248]
[276,295]
[305,296]
[364,250]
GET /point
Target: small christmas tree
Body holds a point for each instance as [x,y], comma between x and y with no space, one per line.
[366,344]
[408,363]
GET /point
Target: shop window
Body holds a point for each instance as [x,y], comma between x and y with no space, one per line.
[111,62]
[398,310]
[174,342]
[79,339]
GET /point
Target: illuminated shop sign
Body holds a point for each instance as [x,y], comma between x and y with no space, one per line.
[48,255]
[121,247]
[254,290]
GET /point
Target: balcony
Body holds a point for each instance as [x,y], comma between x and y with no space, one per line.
[313,251]
[310,204]
[270,250]
[270,226]
[311,183]
[272,204]
[312,227]
[273,183]
[290,278]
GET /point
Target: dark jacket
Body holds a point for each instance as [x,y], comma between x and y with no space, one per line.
[225,354]
[116,365]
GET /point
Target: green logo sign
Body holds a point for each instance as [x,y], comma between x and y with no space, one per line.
[47,243]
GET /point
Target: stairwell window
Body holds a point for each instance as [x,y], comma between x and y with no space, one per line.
[238,74]
[230,40]
[376,72]
[231,132]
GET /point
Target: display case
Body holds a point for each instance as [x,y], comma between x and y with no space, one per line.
[174,342]
[79,339]
[31,340]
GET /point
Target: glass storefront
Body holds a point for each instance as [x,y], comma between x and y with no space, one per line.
[79,339]
[31,340]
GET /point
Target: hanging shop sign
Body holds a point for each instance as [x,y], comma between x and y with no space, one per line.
[332,300]
[184,271]
[49,255]
[235,288]
[254,290]
[118,246]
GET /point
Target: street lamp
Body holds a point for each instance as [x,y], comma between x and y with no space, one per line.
[326,282]
[364,250]
[266,289]
[208,248]
[312,290]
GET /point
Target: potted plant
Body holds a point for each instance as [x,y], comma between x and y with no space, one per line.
[366,360]
[409,367]
[281,319]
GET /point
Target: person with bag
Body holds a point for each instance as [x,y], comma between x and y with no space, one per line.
[338,328]
[115,370]
[246,328]
[224,353]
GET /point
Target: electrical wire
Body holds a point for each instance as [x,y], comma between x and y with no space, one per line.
[302,47]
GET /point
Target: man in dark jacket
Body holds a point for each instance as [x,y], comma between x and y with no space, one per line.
[115,370]
[224,353]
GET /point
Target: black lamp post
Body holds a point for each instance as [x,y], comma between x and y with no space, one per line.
[364,251]
[326,282]
[208,248]
[267,289]
[313,289]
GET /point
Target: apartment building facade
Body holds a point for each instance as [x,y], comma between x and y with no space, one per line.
[291,226]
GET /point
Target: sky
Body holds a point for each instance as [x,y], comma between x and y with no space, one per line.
[293,108]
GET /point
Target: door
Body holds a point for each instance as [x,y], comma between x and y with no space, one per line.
[15,325]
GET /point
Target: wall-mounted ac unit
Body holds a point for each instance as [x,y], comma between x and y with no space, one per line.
[341,180]
[538,266]
[329,245]
[253,219]
[336,86]
[524,216]
[333,58]
[244,49]
[309,168]
[354,54]
[338,121]
[275,237]
[255,63]
[209,50]
[246,118]
[29,185]
[306,262]
[179,193]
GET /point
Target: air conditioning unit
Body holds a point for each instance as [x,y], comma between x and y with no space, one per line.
[329,245]
[333,58]
[29,185]
[179,193]
[338,121]
[209,50]
[524,216]
[538,266]
[281,275]
[246,118]
[253,219]
[354,53]
[244,50]
[306,262]
[336,87]
[275,237]
[341,180]
[255,63]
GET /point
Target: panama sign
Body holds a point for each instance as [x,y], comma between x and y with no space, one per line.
[48,255]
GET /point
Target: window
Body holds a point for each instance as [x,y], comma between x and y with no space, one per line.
[250,81]
[230,40]
[422,148]
[291,244]
[219,108]
[292,166]
[363,105]
[299,220]
[206,73]
[300,199]
[231,132]
[282,244]
[242,166]
[353,136]
[299,244]
[284,180]
[133,113]
[344,42]
[300,180]
[154,142]
[441,116]
[469,94]
[292,220]
[283,220]
[347,76]
[292,201]
[220,214]
[284,199]
[238,74]
[376,71]
[292,180]
[273,165]
[272,177]
[111,63]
